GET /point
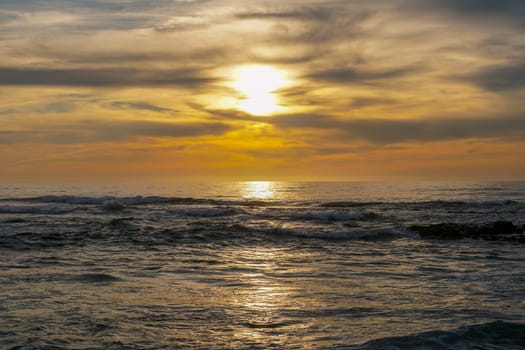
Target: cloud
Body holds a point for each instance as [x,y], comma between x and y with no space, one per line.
[104,77]
[53,107]
[300,13]
[506,8]
[126,56]
[91,131]
[502,13]
[182,23]
[72,17]
[315,24]
[88,16]
[57,107]
[354,75]
[6,17]
[389,131]
[342,26]
[102,5]
[123,130]
[141,106]
[500,78]
[363,102]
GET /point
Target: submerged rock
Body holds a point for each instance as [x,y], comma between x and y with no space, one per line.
[493,231]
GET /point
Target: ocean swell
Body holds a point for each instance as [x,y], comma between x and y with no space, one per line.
[490,336]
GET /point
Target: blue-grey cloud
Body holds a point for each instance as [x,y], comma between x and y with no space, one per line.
[317,24]
[98,131]
[108,21]
[107,77]
[6,17]
[500,78]
[183,23]
[508,13]
[299,13]
[56,107]
[124,130]
[48,108]
[141,106]
[487,8]
[362,102]
[389,131]
[102,5]
[130,56]
[92,15]
[354,75]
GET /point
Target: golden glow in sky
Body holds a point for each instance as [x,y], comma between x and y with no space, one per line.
[230,90]
[258,84]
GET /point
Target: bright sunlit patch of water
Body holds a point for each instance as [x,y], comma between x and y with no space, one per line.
[259,190]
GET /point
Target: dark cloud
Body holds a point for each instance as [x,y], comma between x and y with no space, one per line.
[93,15]
[342,28]
[354,75]
[362,102]
[310,14]
[53,107]
[501,12]
[141,106]
[388,131]
[500,78]
[98,131]
[8,17]
[124,130]
[108,77]
[130,57]
[57,107]
[112,22]
[312,25]
[103,5]
[507,8]
[183,23]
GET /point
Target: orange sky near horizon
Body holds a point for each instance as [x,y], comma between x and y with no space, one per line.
[228,90]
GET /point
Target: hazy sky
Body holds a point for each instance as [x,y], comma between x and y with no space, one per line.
[111,90]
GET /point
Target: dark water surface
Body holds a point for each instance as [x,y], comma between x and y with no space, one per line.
[258,266]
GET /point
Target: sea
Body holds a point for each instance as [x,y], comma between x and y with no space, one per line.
[261,265]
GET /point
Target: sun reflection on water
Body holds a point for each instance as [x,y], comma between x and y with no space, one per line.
[264,297]
[259,190]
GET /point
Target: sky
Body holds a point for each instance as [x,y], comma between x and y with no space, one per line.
[219,90]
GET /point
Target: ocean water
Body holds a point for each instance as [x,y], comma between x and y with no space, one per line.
[260,265]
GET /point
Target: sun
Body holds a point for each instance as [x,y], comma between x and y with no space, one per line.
[258,84]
